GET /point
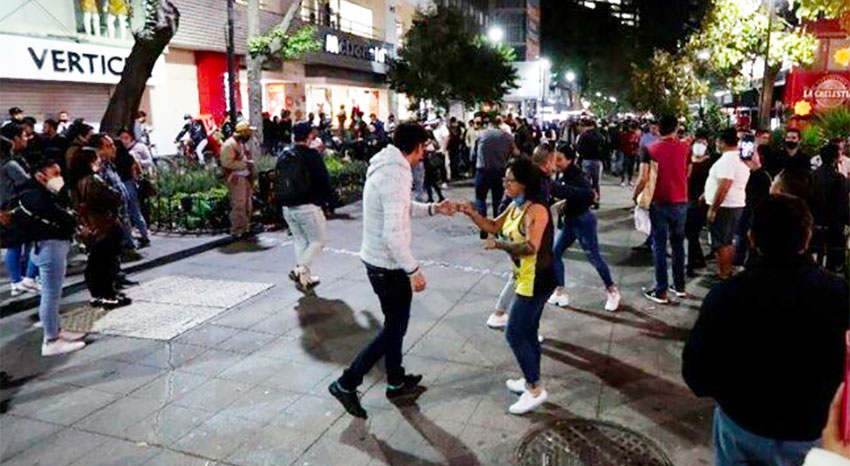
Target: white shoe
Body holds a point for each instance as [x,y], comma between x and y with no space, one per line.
[528,402]
[613,302]
[60,346]
[497,321]
[560,300]
[540,338]
[30,284]
[17,289]
[68,335]
[516,385]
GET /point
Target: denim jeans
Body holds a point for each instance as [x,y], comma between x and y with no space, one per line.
[735,446]
[583,228]
[19,263]
[418,172]
[488,181]
[593,171]
[668,219]
[522,330]
[133,208]
[395,295]
[309,231]
[51,257]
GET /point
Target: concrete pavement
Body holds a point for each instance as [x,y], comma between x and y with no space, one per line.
[249,385]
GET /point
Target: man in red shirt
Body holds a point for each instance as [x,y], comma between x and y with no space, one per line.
[669,157]
[629,143]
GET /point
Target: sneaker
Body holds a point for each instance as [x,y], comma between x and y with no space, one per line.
[613,301]
[528,402]
[623,184]
[559,299]
[349,400]
[678,293]
[144,242]
[104,303]
[125,282]
[60,346]
[68,335]
[293,275]
[17,289]
[407,386]
[497,320]
[656,297]
[30,284]
[540,338]
[516,385]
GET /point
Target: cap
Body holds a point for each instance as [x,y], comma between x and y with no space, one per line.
[15,110]
[244,129]
[300,131]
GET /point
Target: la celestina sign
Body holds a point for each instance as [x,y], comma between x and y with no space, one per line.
[53,60]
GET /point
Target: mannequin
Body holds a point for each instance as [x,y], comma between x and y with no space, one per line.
[120,10]
[91,18]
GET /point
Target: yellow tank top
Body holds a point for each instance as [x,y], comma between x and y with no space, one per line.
[119,8]
[88,6]
[525,267]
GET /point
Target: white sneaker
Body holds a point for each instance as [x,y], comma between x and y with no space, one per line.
[60,346]
[540,338]
[560,300]
[29,284]
[516,385]
[17,289]
[528,402]
[613,302]
[497,321]
[68,335]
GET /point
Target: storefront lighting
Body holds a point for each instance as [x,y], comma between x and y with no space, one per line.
[802,108]
[545,63]
[842,56]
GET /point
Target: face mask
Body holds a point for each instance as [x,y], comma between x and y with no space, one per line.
[699,149]
[791,144]
[519,200]
[54,185]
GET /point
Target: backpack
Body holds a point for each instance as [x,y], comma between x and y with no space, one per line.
[292,179]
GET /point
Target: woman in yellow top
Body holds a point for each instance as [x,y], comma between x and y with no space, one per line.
[524,231]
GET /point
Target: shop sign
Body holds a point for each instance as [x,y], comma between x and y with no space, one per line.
[349,47]
[828,92]
[54,60]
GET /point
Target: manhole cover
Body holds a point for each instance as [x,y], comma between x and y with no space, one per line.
[456,231]
[581,442]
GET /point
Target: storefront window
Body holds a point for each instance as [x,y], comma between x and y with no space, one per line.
[111,19]
[341,15]
[105,19]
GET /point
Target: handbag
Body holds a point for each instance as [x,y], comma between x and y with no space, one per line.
[645,197]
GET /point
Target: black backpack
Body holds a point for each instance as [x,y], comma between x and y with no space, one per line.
[292,179]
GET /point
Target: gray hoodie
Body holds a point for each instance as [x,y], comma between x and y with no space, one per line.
[387,209]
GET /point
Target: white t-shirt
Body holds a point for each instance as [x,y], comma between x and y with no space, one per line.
[728,167]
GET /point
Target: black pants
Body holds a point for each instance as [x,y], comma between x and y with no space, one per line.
[828,243]
[430,187]
[694,223]
[628,168]
[395,294]
[103,264]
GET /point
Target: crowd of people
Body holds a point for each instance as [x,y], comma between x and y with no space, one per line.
[70,186]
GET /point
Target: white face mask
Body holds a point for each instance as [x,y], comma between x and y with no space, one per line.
[55,185]
[699,149]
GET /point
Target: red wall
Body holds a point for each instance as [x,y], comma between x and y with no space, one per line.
[211,69]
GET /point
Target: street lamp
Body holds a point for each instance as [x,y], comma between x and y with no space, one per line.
[612,99]
[598,94]
[571,77]
[545,64]
[496,34]
[704,55]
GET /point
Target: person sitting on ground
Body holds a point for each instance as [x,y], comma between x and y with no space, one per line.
[768,345]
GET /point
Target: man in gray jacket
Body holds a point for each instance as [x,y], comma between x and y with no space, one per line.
[393,271]
[492,150]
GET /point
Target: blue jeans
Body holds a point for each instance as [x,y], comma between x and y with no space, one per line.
[18,263]
[735,446]
[488,181]
[418,172]
[593,171]
[583,228]
[51,257]
[521,333]
[668,219]
[133,209]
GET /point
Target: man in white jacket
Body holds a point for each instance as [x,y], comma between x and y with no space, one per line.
[393,271]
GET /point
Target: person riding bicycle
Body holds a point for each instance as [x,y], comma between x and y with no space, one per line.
[197,135]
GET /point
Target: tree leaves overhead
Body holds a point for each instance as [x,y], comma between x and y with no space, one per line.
[292,46]
[666,85]
[443,61]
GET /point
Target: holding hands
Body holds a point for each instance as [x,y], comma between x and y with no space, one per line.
[450,207]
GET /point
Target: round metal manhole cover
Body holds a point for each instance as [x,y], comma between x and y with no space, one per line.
[582,442]
[456,231]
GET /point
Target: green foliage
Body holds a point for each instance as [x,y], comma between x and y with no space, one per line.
[813,9]
[833,123]
[189,182]
[812,139]
[713,119]
[667,85]
[292,46]
[442,61]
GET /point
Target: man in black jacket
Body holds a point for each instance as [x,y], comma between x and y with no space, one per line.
[768,345]
[591,147]
[303,204]
[48,222]
[829,203]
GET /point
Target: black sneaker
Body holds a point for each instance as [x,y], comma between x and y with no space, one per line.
[105,303]
[144,242]
[656,297]
[408,385]
[124,282]
[349,400]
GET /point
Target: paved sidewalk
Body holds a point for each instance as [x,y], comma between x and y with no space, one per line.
[249,385]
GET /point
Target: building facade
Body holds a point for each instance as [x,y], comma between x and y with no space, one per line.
[520,21]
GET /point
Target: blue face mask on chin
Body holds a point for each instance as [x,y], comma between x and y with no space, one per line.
[519,200]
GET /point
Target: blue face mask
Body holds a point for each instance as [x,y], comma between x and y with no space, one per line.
[519,200]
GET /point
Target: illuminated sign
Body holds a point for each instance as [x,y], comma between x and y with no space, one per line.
[361,50]
[828,92]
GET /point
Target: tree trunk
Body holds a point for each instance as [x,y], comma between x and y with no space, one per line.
[766,97]
[149,45]
[255,71]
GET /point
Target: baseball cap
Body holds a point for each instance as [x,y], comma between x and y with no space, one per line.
[244,129]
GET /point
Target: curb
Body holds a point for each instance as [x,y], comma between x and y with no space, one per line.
[31,301]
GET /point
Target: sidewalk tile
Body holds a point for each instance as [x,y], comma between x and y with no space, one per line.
[206,335]
[64,404]
[21,433]
[172,355]
[218,437]
[118,416]
[262,404]
[310,414]
[115,452]
[272,446]
[60,449]
[211,362]
[213,395]
[170,386]
[173,458]
[165,426]
[246,341]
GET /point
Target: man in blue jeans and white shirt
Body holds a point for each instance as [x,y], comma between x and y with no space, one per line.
[304,216]
[393,271]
